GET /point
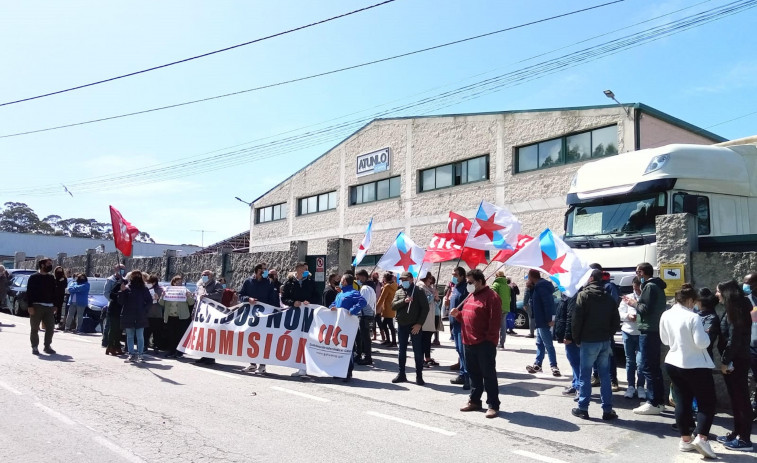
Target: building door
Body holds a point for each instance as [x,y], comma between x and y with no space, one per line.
[317,266]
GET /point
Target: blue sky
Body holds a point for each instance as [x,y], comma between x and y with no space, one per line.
[705,76]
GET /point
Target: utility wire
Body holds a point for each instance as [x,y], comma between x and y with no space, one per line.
[278,34]
[289,144]
[312,76]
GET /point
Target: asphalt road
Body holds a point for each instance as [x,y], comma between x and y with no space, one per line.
[83,406]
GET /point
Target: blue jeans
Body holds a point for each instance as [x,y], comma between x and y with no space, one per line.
[649,345]
[573,352]
[598,352]
[544,341]
[140,332]
[457,335]
[634,362]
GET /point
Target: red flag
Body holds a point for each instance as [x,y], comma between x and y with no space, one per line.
[505,254]
[123,232]
[449,246]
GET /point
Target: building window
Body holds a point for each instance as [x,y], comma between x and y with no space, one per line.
[317,203]
[459,173]
[271,213]
[375,191]
[576,147]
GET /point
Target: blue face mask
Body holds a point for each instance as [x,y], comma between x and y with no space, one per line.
[122,272]
[359,283]
[204,278]
[265,273]
[454,280]
[642,280]
[406,284]
[305,274]
[223,286]
[747,289]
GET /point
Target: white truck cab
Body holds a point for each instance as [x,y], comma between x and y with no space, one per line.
[613,202]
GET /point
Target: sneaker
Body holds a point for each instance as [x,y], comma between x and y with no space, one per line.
[140,359]
[584,414]
[263,371]
[556,371]
[684,446]
[35,351]
[471,407]
[570,390]
[130,359]
[251,368]
[608,416]
[492,413]
[615,387]
[299,373]
[48,350]
[594,381]
[740,445]
[400,378]
[630,392]
[641,393]
[530,335]
[533,368]
[458,380]
[648,409]
[728,437]
[703,446]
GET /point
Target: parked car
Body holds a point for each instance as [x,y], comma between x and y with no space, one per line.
[20,271]
[17,294]
[521,317]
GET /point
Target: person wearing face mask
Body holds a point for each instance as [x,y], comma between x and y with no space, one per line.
[630,330]
[543,310]
[649,309]
[750,290]
[411,310]
[40,294]
[457,294]
[258,289]
[332,289]
[273,275]
[61,283]
[208,287]
[690,369]
[79,291]
[299,291]
[350,300]
[154,333]
[367,318]
[113,281]
[135,300]
[480,319]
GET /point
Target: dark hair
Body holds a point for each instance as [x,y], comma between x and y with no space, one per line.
[596,275]
[646,268]
[636,281]
[595,266]
[349,279]
[533,273]
[477,275]
[737,307]
[331,277]
[389,277]
[259,267]
[459,271]
[43,262]
[363,273]
[136,280]
[59,272]
[707,300]
[82,277]
[175,279]
[686,292]
[153,278]
[349,271]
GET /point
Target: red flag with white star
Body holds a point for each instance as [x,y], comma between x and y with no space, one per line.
[123,232]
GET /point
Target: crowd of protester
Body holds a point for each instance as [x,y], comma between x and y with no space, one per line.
[404,311]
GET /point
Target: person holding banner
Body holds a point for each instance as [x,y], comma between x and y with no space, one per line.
[208,287]
[176,301]
[258,288]
[353,302]
[411,312]
[298,291]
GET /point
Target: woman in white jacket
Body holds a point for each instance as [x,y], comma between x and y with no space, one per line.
[690,369]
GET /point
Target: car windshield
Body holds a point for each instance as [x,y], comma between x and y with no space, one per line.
[616,217]
[96,286]
[20,280]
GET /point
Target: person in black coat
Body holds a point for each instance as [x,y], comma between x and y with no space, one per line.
[300,290]
[135,300]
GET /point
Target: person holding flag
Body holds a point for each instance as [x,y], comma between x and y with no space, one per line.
[411,311]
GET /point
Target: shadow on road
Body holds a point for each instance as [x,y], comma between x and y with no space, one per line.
[56,358]
[162,378]
[539,421]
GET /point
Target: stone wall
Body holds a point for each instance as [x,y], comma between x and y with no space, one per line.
[710,268]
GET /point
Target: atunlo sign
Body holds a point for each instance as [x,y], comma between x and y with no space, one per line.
[372,163]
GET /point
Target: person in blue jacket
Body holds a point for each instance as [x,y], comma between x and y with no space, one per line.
[258,288]
[350,300]
[79,291]
[543,309]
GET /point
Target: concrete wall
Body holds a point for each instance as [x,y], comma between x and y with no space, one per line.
[655,132]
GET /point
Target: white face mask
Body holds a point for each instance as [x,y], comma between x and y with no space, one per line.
[471,288]
[149,286]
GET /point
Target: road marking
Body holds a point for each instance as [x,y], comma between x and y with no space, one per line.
[9,388]
[220,373]
[116,449]
[412,423]
[300,394]
[536,456]
[59,416]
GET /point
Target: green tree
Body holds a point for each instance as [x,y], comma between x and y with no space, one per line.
[19,218]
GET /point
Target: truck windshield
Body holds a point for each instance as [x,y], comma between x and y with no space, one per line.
[616,216]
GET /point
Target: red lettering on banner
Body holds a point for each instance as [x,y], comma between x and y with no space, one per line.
[301,350]
[284,347]
[320,333]
[240,342]
[188,341]
[336,336]
[254,349]
[226,346]
[267,347]
[328,334]
[200,340]
[210,345]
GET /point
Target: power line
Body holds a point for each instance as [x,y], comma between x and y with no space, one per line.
[312,76]
[430,104]
[278,34]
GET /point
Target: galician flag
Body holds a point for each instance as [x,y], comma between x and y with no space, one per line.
[363,249]
[493,228]
[551,255]
[402,256]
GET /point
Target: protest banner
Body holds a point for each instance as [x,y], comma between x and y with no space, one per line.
[311,337]
[175,293]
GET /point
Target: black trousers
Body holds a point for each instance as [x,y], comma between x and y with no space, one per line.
[693,383]
[737,383]
[174,331]
[481,360]
[405,332]
[388,325]
[156,329]
[364,337]
[114,334]
[427,335]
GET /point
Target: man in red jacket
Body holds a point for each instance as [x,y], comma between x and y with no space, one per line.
[480,318]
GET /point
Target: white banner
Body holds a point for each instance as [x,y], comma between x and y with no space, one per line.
[314,337]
